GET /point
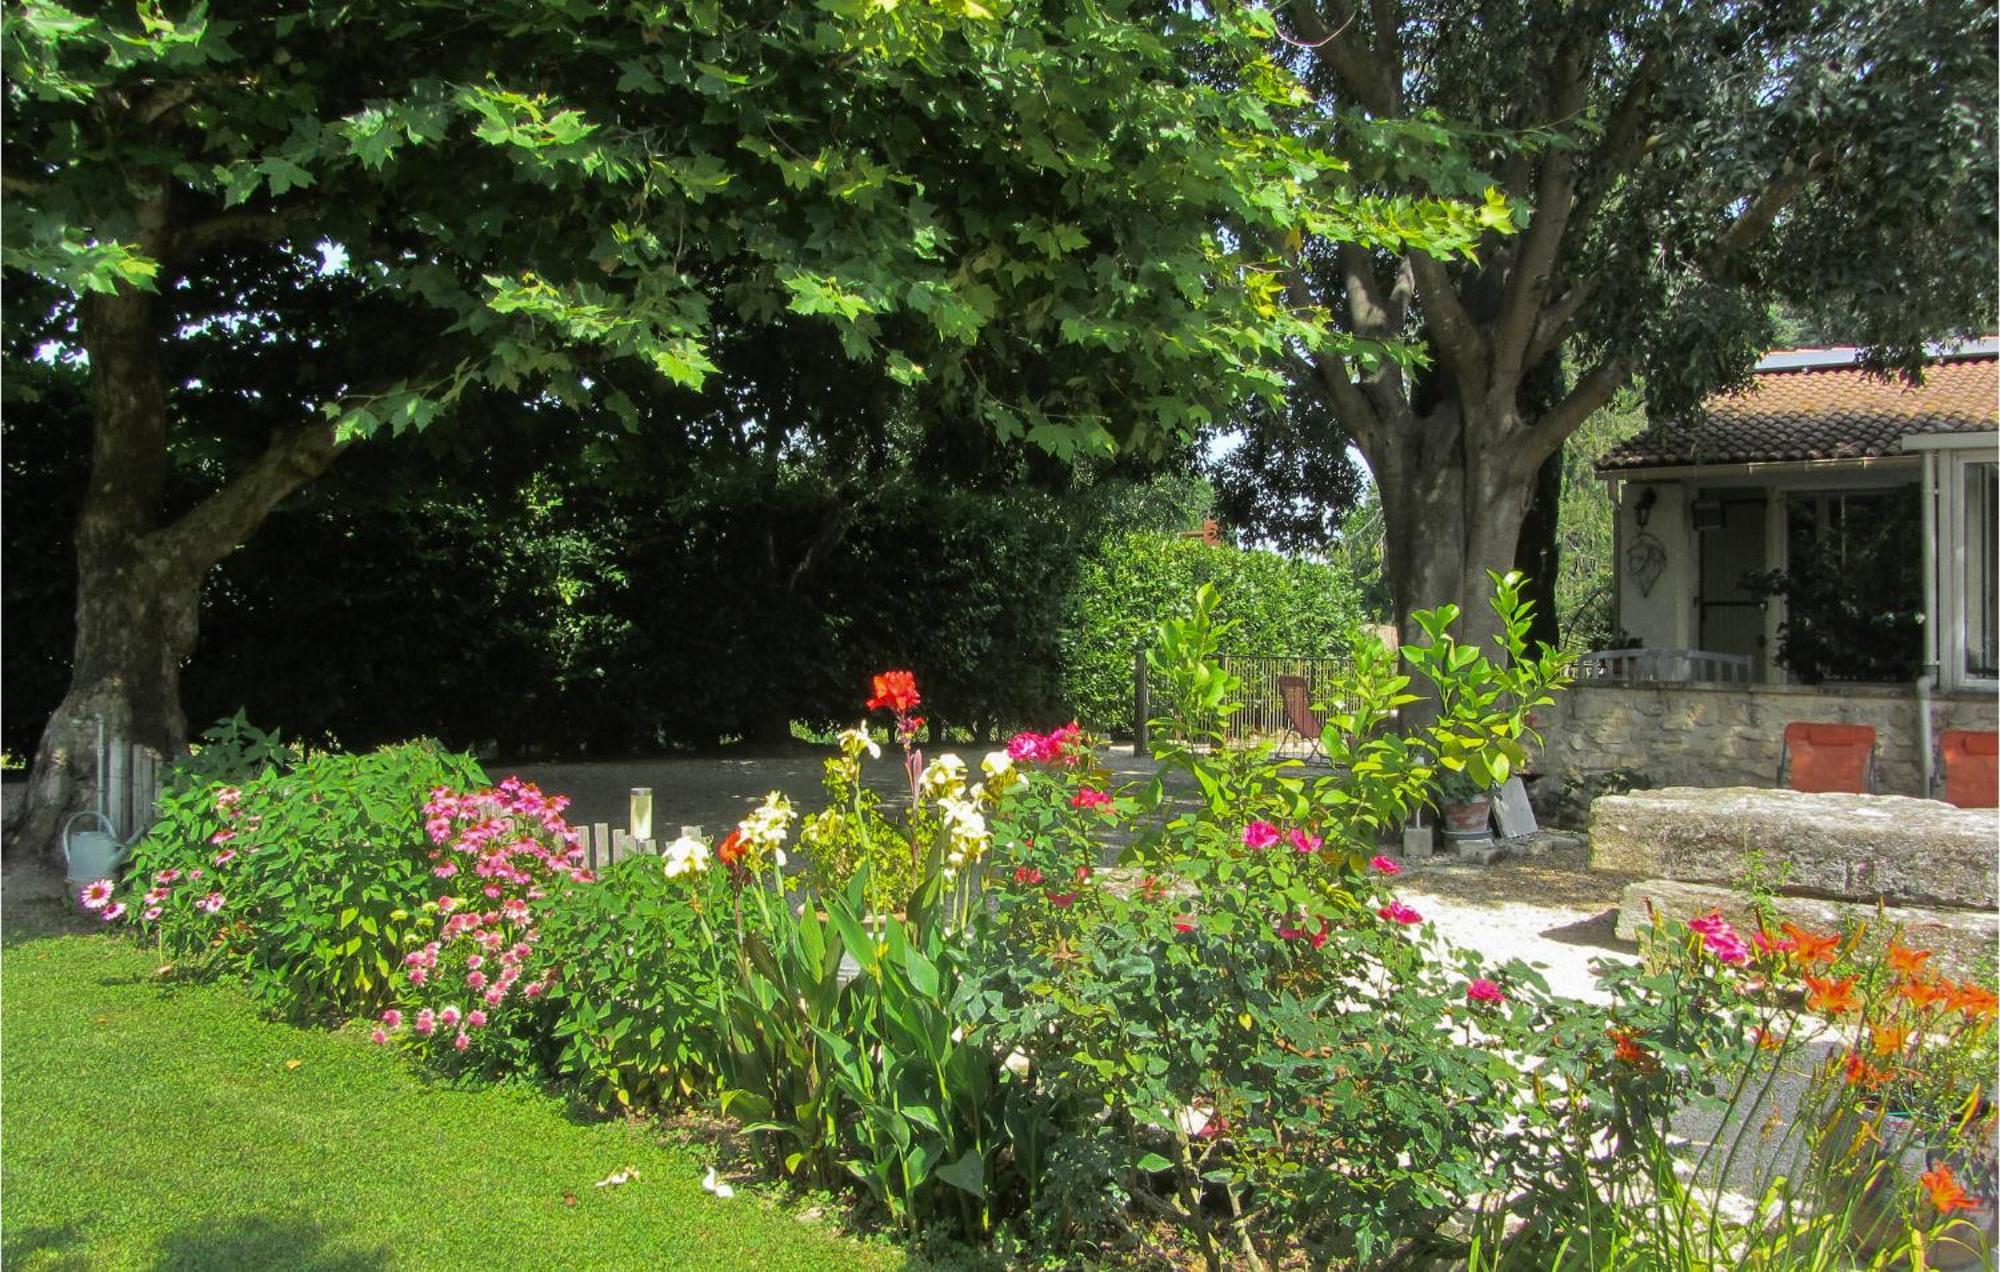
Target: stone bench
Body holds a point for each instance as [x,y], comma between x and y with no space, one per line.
[1831,862]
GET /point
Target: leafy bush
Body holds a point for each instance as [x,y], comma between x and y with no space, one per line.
[304,880]
[1280,606]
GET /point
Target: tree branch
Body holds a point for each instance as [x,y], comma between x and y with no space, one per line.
[1460,345]
[1756,219]
[1360,72]
[235,227]
[1591,391]
[213,528]
[1368,311]
[1554,324]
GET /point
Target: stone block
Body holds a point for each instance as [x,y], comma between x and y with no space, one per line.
[1962,942]
[1858,847]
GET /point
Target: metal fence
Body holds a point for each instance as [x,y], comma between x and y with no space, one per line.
[1262,717]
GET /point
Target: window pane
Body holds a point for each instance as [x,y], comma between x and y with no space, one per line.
[1982,560]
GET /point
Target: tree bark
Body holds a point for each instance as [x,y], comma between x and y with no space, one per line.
[138,580]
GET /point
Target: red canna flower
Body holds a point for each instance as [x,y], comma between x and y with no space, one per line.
[896,690]
[732,849]
[1062,900]
[1027,875]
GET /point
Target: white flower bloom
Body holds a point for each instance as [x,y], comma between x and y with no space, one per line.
[1016,1063]
[997,764]
[963,820]
[686,855]
[943,776]
[856,740]
[766,827]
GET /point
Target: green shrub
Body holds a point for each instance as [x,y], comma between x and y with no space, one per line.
[1281,606]
[303,880]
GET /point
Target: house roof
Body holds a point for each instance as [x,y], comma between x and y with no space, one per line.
[1818,404]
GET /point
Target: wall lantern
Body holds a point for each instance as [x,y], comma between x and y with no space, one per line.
[1642,511]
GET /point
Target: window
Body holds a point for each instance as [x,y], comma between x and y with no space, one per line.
[1979,567]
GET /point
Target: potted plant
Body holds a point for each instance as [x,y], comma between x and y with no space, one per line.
[1466,809]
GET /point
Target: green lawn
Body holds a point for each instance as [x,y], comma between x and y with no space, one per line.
[161,1126]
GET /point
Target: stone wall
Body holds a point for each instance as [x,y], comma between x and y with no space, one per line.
[1729,735]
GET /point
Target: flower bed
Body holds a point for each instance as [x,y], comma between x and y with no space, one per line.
[1250,1047]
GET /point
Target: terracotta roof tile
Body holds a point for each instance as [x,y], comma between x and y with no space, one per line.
[1829,412]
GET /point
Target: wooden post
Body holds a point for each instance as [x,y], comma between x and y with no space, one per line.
[1142,703]
[600,845]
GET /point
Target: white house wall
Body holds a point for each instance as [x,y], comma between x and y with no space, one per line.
[1661,617]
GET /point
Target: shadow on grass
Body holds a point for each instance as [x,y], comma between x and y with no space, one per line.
[61,1242]
[260,1241]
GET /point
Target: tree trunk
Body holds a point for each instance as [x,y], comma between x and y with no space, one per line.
[1539,554]
[1452,508]
[139,581]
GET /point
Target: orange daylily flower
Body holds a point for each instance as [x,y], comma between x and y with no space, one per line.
[1923,994]
[1975,1000]
[1628,1051]
[1811,947]
[1831,996]
[1769,1041]
[1907,961]
[1945,1194]
[1860,1071]
[1888,1041]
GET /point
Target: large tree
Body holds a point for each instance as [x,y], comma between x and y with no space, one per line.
[1673,169]
[1032,217]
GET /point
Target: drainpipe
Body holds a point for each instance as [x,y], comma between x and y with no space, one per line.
[1928,680]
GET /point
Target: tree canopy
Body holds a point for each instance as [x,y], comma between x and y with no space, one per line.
[1675,170]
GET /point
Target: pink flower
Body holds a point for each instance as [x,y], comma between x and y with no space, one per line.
[392,1018]
[426,1022]
[1482,990]
[1088,798]
[448,1017]
[166,877]
[447,870]
[1061,900]
[461,1042]
[475,961]
[1300,840]
[378,1037]
[1383,865]
[1766,945]
[476,980]
[1083,874]
[1027,876]
[222,836]
[1259,835]
[536,989]
[156,895]
[97,895]
[494,995]
[1397,912]
[210,903]
[447,904]
[152,912]
[224,857]
[475,1018]
[418,975]
[113,913]
[195,873]
[1720,939]
[227,798]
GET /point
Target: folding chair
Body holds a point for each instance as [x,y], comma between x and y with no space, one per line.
[1969,764]
[1301,721]
[1828,757]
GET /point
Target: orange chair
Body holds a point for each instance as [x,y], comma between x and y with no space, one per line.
[1828,757]
[1969,760]
[1301,721]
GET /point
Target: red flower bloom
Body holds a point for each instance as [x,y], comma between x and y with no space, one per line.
[1061,900]
[1397,912]
[896,690]
[1027,875]
[1088,798]
[1183,923]
[1083,874]
[732,849]
[1945,1194]
[1482,990]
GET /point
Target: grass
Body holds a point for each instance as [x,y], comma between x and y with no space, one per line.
[156,1125]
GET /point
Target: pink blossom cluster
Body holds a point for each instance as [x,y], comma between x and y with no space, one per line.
[513,844]
[1259,835]
[1057,747]
[1317,939]
[1720,939]
[493,834]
